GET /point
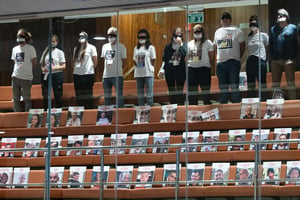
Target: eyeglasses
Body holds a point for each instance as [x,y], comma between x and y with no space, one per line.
[197,31]
[21,36]
[142,37]
[280,15]
[223,18]
[253,24]
[112,35]
[177,36]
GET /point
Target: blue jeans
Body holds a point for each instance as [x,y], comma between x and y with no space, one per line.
[229,74]
[108,83]
[143,83]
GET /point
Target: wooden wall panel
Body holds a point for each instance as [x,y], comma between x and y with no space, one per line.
[160,26]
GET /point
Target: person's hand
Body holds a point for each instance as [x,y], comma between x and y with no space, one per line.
[161,75]
[45,69]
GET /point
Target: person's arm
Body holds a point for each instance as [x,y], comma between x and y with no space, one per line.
[34,62]
[123,62]
[211,55]
[61,66]
[267,52]
[153,62]
[161,73]
[95,61]
[153,56]
[242,49]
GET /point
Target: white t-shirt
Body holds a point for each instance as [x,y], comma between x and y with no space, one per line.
[23,65]
[142,58]
[112,66]
[198,55]
[227,40]
[87,65]
[256,45]
[57,56]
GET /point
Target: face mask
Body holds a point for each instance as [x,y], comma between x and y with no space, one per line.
[20,40]
[142,41]
[253,28]
[111,39]
[281,19]
[53,45]
[82,40]
[198,36]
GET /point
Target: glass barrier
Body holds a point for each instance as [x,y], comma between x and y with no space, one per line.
[169,102]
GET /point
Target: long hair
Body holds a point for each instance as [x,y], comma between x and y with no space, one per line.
[46,51]
[79,52]
[200,28]
[177,30]
[148,43]
[253,18]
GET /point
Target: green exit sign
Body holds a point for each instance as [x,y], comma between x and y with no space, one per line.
[196,17]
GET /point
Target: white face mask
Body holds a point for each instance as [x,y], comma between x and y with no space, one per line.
[198,36]
[20,40]
[111,39]
[253,28]
[82,40]
[142,41]
[281,19]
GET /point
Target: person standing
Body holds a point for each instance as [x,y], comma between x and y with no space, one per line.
[200,57]
[114,54]
[230,46]
[85,62]
[257,45]
[174,66]
[144,56]
[283,48]
[57,64]
[24,57]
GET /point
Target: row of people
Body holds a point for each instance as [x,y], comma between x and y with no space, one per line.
[198,55]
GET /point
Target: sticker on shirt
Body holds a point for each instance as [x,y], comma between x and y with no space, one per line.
[140,60]
[109,56]
[48,64]
[20,57]
[225,44]
[175,59]
[196,55]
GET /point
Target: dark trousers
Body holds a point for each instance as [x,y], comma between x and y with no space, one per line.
[229,77]
[83,85]
[252,70]
[199,77]
[175,78]
[57,85]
